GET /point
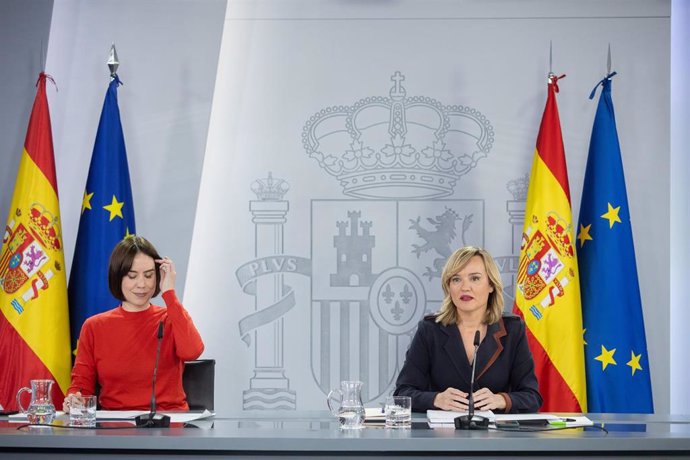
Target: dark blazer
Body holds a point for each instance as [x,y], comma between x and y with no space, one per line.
[437,360]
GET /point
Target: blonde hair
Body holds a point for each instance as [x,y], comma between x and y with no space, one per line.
[448,314]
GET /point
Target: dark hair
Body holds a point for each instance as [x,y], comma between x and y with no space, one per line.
[121,263]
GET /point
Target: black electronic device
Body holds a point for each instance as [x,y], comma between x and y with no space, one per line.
[472,421]
[153,420]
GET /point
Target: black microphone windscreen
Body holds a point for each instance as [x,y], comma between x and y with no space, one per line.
[476,339]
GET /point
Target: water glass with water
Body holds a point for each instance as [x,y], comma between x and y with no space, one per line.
[398,411]
[82,411]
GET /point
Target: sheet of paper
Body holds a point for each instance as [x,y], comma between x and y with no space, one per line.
[569,421]
[20,417]
[518,417]
[374,414]
[445,419]
[130,414]
[448,417]
[578,421]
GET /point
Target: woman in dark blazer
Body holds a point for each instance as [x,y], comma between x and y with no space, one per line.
[438,365]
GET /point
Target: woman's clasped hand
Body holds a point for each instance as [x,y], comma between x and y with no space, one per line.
[456,400]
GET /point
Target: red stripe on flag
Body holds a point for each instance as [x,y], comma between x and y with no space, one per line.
[550,141]
[39,140]
[17,360]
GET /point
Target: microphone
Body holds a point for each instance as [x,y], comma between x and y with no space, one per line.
[471,421]
[474,366]
[153,420]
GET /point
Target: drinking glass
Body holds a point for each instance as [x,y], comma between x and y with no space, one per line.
[83,411]
[398,412]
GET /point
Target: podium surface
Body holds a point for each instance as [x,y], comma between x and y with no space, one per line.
[317,435]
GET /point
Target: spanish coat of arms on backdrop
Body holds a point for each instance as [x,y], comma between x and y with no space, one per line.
[377,252]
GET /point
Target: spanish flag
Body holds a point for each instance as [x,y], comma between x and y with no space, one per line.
[34,324]
[548,286]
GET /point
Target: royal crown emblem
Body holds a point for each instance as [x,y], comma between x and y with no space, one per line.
[558,230]
[45,225]
[398,147]
[270,189]
[519,187]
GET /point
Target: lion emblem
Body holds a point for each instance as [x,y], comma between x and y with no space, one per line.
[439,238]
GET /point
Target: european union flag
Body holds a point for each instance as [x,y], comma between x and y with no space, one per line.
[616,360]
[107,216]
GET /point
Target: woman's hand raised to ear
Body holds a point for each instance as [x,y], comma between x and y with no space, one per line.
[168,274]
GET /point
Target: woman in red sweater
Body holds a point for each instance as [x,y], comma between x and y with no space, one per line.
[117,348]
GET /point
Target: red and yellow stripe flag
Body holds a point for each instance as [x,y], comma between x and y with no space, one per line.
[548,286]
[34,324]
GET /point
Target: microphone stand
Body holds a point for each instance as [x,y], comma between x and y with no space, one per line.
[153,420]
[471,421]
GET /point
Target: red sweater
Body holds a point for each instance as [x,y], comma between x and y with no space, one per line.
[117,349]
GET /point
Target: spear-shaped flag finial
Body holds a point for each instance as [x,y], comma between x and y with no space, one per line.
[608,61]
[113,62]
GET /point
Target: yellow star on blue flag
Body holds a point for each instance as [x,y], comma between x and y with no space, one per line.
[634,362]
[612,215]
[86,201]
[606,357]
[114,208]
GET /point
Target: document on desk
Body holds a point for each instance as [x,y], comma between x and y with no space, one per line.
[181,417]
[128,415]
[543,419]
[374,415]
[440,418]
[21,417]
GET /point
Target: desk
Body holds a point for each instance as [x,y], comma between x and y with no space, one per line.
[300,435]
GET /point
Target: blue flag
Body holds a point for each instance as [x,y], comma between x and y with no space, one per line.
[616,360]
[107,216]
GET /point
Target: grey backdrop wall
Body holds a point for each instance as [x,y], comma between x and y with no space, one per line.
[24,32]
[282,63]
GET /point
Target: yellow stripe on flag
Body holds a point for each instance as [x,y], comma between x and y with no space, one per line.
[550,303]
[33,297]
